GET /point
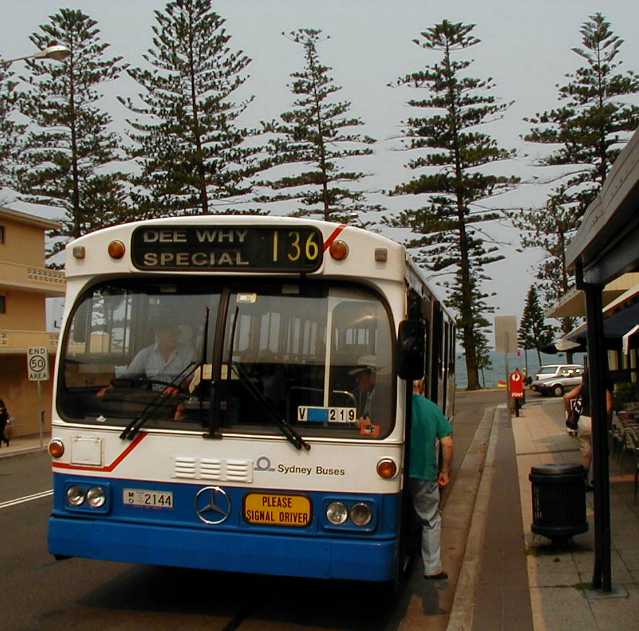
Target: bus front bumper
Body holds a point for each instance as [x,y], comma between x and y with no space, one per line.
[312,557]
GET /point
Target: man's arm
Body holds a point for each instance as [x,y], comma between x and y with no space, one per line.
[137,367]
[447,458]
[569,396]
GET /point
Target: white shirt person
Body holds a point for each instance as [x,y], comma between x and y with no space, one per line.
[163,360]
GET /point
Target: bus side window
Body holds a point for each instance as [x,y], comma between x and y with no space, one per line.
[427,357]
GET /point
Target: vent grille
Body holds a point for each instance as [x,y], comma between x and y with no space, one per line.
[239,470]
[185,468]
[211,469]
[214,469]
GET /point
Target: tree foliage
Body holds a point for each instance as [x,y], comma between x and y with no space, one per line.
[318,134]
[551,228]
[587,132]
[10,130]
[484,360]
[69,158]
[533,332]
[186,136]
[451,156]
[593,120]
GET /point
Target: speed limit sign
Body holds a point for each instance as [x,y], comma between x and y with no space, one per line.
[38,363]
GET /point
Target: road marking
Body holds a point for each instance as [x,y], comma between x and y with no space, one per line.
[26,498]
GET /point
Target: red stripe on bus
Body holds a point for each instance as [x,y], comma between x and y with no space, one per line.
[134,443]
[334,235]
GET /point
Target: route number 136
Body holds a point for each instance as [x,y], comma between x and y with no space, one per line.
[297,246]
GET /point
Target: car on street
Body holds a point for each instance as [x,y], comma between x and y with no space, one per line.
[556,379]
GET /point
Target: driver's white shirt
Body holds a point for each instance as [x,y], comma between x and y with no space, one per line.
[150,363]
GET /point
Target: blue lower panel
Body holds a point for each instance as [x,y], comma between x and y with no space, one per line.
[225,551]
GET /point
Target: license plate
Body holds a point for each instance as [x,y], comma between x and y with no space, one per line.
[147,499]
[269,509]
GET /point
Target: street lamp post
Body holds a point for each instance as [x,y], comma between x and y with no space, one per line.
[57,52]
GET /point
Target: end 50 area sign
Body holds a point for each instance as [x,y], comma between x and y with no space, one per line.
[38,363]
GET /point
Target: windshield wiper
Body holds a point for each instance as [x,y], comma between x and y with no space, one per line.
[134,426]
[289,432]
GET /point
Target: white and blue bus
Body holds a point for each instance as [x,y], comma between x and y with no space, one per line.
[233,393]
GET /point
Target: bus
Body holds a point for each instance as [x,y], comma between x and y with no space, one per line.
[233,393]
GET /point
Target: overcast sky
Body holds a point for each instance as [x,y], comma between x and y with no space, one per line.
[525,48]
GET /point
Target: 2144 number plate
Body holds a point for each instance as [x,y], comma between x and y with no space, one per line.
[147,499]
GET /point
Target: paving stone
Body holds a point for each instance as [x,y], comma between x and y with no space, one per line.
[561,609]
[630,559]
[617,613]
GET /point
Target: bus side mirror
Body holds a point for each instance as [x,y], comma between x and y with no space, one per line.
[410,349]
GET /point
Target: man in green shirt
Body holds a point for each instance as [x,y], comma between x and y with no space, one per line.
[425,478]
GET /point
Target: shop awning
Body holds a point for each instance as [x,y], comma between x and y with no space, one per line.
[620,316]
[573,303]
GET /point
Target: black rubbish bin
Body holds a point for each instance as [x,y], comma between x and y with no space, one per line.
[558,501]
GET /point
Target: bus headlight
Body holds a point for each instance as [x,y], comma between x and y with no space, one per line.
[75,495]
[361,514]
[96,497]
[336,513]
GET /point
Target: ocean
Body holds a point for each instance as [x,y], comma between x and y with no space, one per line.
[490,376]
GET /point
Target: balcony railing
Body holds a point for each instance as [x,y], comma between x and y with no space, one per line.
[12,341]
[32,278]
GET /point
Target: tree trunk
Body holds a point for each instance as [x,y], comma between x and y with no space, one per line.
[75,172]
[197,134]
[472,369]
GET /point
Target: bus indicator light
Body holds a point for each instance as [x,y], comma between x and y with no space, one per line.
[339,250]
[386,468]
[56,448]
[116,249]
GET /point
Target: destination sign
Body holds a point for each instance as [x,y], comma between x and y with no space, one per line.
[222,247]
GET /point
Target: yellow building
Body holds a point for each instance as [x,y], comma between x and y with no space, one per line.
[25,283]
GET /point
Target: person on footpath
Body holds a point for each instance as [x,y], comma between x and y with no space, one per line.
[584,426]
[425,479]
[4,421]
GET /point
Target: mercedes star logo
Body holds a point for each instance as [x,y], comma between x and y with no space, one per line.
[212,505]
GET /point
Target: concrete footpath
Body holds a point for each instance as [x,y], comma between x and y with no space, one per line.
[25,445]
[560,579]
[522,580]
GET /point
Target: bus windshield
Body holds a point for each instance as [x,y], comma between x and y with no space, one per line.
[318,355]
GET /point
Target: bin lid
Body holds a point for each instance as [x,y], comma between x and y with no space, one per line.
[557,469]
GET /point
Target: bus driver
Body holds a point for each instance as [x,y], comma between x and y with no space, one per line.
[365,380]
[161,361]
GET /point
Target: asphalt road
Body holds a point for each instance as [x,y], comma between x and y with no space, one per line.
[37,592]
